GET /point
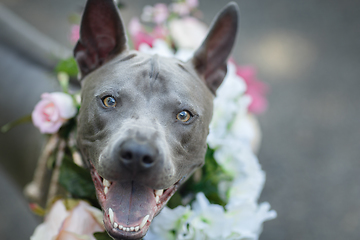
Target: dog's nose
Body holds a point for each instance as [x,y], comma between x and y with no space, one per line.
[138,155]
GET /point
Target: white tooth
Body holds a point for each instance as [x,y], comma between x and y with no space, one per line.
[106,190]
[115,225]
[120,227]
[159,192]
[132,229]
[157,199]
[111,216]
[137,228]
[106,183]
[128,229]
[142,224]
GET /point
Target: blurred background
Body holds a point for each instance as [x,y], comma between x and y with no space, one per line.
[307,52]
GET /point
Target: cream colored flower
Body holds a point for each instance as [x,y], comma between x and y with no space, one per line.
[79,223]
[187,32]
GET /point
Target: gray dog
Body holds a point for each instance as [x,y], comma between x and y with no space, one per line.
[144,119]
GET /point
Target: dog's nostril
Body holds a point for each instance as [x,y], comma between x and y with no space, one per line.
[126,155]
[147,159]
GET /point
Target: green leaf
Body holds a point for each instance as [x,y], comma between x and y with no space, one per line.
[130,42]
[63,78]
[74,18]
[121,5]
[212,174]
[15,123]
[102,236]
[67,128]
[68,66]
[77,181]
[175,200]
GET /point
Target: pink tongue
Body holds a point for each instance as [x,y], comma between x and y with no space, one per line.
[130,202]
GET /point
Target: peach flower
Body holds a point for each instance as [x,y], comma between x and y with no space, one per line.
[80,223]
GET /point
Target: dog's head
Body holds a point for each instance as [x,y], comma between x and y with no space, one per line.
[144,119]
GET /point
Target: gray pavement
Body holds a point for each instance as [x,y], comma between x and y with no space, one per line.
[307,51]
[21,84]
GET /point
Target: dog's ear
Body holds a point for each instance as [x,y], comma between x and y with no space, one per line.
[211,57]
[102,35]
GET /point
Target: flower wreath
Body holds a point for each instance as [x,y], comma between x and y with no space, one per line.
[218,202]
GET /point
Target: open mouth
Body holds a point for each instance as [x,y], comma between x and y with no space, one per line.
[129,207]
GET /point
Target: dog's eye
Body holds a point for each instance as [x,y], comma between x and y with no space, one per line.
[109,101]
[184,116]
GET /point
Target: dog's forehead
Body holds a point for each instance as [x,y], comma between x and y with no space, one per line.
[148,75]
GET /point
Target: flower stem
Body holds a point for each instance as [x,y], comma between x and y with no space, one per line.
[15,123]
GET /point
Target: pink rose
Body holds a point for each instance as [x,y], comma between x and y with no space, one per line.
[139,35]
[52,111]
[255,88]
[79,223]
[160,32]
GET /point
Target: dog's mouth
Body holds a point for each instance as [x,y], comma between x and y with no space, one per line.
[129,207]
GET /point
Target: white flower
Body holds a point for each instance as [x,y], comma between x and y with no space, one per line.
[157,14]
[208,221]
[251,185]
[247,218]
[168,222]
[229,103]
[180,8]
[147,13]
[204,221]
[187,32]
[245,128]
[160,13]
[184,54]
[160,47]
[192,3]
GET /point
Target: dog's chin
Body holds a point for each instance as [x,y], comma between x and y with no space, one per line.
[128,206]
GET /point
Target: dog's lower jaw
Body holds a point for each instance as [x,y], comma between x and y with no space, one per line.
[148,203]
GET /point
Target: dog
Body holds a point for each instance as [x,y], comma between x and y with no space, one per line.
[144,119]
